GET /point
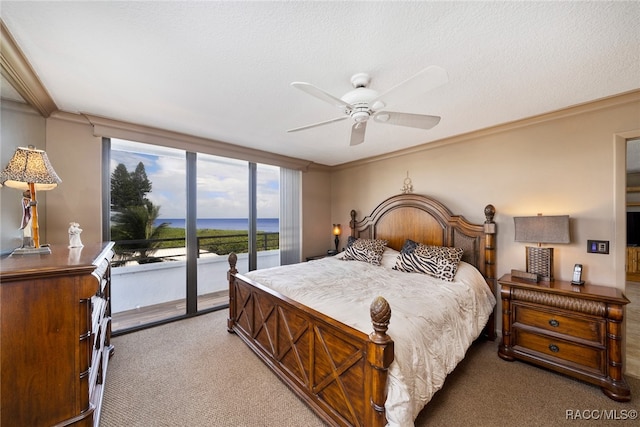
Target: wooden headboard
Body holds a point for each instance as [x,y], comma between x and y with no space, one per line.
[426,220]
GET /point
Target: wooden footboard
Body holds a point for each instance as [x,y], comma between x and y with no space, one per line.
[337,370]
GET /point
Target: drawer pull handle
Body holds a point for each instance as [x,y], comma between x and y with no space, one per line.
[554,348]
[554,323]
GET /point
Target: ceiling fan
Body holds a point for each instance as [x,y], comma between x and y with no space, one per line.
[363,103]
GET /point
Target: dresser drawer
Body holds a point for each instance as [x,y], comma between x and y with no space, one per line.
[592,358]
[589,329]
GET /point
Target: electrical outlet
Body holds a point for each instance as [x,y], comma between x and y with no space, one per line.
[598,246]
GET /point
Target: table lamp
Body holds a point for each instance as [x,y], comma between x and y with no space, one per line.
[30,169]
[541,229]
[336,232]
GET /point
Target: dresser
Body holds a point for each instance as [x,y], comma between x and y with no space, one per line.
[574,330]
[55,337]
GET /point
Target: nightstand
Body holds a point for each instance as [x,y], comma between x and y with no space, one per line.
[329,253]
[311,258]
[573,330]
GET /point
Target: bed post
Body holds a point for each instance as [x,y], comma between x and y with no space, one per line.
[352,223]
[233,259]
[379,356]
[490,262]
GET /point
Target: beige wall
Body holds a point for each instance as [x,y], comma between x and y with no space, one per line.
[316,212]
[557,164]
[75,154]
[77,157]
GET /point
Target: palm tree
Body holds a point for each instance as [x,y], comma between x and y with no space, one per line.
[136,223]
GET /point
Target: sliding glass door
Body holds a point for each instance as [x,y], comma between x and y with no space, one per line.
[222,205]
[175,217]
[267,216]
[147,222]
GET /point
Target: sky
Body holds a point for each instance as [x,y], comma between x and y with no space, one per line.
[222,183]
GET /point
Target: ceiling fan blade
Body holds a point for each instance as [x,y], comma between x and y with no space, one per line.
[421,121]
[326,122]
[357,133]
[424,81]
[321,94]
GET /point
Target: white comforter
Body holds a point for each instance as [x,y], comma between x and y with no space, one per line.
[433,322]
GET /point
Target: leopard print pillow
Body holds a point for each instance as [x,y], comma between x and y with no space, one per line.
[367,250]
[436,261]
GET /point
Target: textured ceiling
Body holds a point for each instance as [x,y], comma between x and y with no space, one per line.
[221,70]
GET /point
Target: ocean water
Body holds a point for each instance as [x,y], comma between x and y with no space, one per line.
[263,224]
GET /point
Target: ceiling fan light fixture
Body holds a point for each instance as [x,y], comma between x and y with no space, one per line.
[378,105]
[382,117]
[361,95]
[360,116]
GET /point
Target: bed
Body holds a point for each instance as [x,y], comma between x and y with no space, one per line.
[349,372]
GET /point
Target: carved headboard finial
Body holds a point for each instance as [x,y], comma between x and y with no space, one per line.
[489,225]
[489,212]
[352,223]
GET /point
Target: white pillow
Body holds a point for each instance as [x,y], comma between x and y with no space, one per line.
[389,257]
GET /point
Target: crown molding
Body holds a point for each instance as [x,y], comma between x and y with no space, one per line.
[20,107]
[608,102]
[16,70]
[106,127]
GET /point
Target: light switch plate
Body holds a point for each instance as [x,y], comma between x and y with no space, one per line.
[598,246]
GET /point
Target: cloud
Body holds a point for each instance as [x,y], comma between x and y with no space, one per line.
[222,184]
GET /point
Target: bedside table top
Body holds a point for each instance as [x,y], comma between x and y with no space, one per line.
[561,287]
[314,257]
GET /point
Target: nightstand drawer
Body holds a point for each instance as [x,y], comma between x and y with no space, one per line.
[585,356]
[578,327]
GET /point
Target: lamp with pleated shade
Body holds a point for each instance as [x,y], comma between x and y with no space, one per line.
[30,170]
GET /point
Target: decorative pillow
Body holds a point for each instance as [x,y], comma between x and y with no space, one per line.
[437,261]
[389,257]
[367,250]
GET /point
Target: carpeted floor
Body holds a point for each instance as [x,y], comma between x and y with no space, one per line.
[194,373]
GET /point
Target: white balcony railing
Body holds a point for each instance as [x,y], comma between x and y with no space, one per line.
[139,286]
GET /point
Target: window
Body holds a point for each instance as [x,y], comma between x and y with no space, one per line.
[222,205]
[267,216]
[147,214]
[196,208]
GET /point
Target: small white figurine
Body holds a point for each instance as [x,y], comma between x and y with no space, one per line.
[74,235]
